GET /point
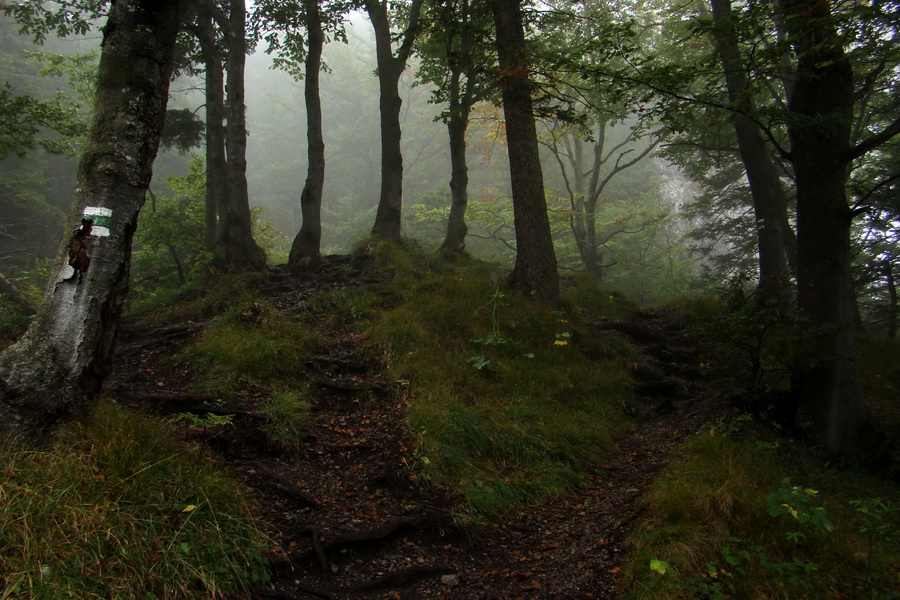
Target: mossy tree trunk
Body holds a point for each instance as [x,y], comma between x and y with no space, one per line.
[54,371]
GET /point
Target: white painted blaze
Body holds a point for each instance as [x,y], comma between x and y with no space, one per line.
[101,218]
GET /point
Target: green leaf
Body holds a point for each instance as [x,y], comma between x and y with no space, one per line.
[660,566]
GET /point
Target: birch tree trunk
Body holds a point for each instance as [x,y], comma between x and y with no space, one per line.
[54,371]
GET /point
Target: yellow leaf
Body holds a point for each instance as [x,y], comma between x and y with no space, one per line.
[189,508]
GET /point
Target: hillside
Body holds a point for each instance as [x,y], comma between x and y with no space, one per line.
[402,429]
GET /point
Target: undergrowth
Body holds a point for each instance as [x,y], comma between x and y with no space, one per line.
[117,509]
[251,344]
[509,401]
[743,515]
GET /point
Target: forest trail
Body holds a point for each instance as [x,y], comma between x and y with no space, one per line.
[347,514]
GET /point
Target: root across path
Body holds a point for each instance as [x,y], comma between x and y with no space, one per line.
[347,514]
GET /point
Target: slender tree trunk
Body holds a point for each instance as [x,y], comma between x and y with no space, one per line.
[390,68]
[534,275]
[216,170]
[240,249]
[821,111]
[305,249]
[769,200]
[54,371]
[455,240]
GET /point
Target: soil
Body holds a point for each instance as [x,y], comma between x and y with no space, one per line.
[346,514]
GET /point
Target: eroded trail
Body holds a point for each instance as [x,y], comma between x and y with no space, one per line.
[346,512]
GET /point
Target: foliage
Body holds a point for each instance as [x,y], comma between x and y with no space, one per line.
[169,249]
[117,509]
[527,424]
[170,256]
[23,119]
[724,522]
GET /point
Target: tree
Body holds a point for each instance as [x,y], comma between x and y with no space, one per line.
[820,124]
[457,59]
[534,275]
[285,23]
[769,198]
[390,67]
[585,185]
[56,368]
[236,246]
[216,163]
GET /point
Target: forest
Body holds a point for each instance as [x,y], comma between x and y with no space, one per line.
[449,299]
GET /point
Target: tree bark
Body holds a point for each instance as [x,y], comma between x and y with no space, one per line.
[534,275]
[305,248]
[237,246]
[390,68]
[54,371]
[769,199]
[820,120]
[455,239]
[216,169]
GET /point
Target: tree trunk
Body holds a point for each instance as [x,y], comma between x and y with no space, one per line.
[455,240]
[821,111]
[390,68]
[54,371]
[769,200]
[534,275]
[216,170]
[305,248]
[238,247]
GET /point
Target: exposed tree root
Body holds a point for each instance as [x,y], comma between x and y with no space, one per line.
[403,576]
[288,486]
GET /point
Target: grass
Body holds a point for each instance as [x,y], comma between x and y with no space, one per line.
[117,509]
[509,401]
[251,344]
[288,413]
[712,533]
[740,513]
[219,293]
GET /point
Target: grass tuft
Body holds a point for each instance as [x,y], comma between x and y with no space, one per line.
[251,344]
[289,418]
[117,509]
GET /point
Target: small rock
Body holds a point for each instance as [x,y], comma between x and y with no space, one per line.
[450,580]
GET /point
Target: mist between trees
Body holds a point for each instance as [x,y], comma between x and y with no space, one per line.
[676,149]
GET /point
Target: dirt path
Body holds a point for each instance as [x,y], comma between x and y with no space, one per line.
[347,513]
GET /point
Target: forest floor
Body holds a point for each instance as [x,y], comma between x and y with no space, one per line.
[346,514]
